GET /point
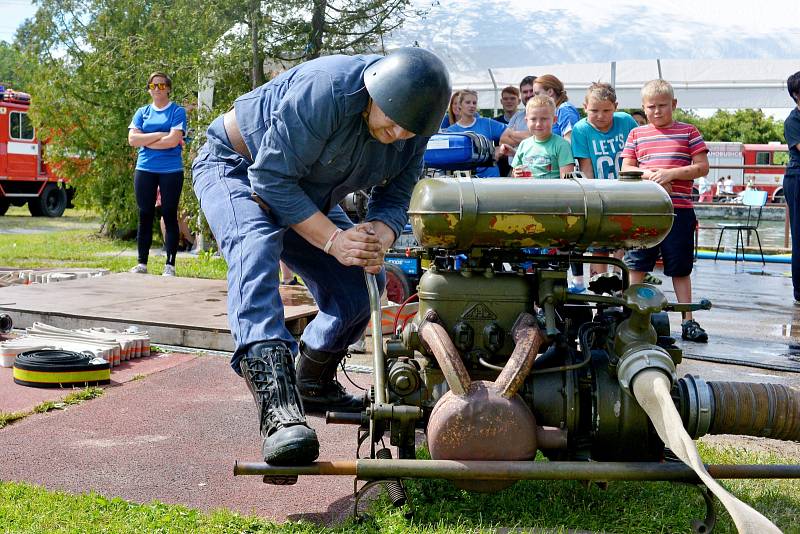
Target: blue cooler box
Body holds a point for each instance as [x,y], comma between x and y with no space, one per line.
[458,151]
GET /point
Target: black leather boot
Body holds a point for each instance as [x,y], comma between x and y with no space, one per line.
[269,372]
[316,381]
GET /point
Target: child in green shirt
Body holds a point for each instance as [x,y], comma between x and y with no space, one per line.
[544,154]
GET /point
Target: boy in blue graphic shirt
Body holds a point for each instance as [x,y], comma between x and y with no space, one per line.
[598,140]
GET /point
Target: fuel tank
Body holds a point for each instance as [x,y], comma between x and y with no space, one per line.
[463,213]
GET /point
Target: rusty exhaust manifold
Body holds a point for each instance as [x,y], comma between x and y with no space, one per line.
[483,420]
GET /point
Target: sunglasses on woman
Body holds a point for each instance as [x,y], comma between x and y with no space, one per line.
[162,86]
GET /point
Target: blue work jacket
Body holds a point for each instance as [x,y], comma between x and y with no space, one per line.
[311,145]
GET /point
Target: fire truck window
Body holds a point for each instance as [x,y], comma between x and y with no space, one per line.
[21,127]
[780,158]
[762,158]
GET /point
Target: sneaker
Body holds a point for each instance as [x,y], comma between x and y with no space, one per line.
[576,288]
[691,331]
[650,279]
[169,270]
[139,269]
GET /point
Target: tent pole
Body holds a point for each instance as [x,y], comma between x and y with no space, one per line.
[613,74]
[494,100]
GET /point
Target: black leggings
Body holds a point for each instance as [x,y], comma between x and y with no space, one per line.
[146,184]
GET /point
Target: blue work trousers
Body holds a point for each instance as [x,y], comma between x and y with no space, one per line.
[252,244]
[791,190]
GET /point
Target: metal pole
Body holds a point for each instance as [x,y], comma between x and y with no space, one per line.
[517,470]
[378,363]
[494,83]
[614,74]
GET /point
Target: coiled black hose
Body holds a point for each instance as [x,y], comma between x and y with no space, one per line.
[60,368]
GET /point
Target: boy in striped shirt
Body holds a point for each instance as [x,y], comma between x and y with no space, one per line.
[671,154]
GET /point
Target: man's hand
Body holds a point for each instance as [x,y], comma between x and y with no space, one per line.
[359,246]
[362,245]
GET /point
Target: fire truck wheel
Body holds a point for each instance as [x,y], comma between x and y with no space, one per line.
[51,203]
[4,204]
[398,288]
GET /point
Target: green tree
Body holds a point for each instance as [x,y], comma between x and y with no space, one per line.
[742,125]
[90,61]
[12,67]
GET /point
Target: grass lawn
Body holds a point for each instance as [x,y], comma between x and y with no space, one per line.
[74,241]
[625,507]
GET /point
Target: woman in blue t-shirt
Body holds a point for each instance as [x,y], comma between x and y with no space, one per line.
[470,121]
[157,130]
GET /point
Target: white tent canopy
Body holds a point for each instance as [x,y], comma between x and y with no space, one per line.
[729,83]
[717,53]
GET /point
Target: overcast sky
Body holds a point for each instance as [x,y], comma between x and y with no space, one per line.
[14,13]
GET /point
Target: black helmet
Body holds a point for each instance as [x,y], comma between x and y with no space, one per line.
[412,87]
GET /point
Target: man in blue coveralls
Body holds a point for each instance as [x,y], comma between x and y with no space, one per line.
[269,180]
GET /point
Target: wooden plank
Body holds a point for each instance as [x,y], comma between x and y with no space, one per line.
[177,311]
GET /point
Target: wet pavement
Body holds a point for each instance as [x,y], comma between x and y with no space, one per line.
[173,434]
[753,318]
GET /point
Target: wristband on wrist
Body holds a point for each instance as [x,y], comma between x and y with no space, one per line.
[331,239]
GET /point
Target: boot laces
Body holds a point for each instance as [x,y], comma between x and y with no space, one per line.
[273,382]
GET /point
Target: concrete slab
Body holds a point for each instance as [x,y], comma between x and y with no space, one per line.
[173,437]
[187,312]
[16,398]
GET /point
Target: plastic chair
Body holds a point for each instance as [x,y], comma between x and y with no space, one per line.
[755,201]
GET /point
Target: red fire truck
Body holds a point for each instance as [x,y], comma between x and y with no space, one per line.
[24,176]
[761,166]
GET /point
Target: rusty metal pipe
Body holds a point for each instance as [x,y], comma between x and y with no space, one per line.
[528,338]
[517,470]
[438,341]
[346,418]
